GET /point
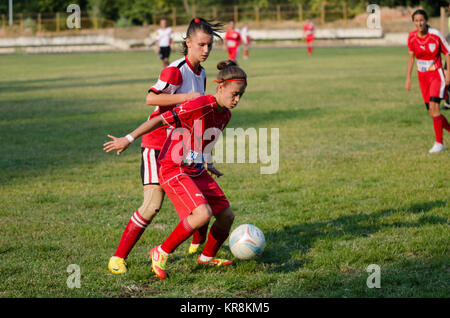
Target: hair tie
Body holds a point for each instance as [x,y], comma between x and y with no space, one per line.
[230,80]
[197,20]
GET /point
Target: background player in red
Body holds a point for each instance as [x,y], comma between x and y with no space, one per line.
[182,80]
[193,192]
[426,45]
[309,29]
[245,40]
[232,41]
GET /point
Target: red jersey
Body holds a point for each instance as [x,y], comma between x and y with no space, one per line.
[308,28]
[233,38]
[427,50]
[177,78]
[196,117]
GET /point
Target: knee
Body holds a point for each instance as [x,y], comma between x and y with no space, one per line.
[203,214]
[433,110]
[226,216]
[152,203]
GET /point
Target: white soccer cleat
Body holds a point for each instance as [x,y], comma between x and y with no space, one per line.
[437,147]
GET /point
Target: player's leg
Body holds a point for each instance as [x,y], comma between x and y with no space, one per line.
[198,238]
[224,219]
[232,51]
[143,216]
[194,212]
[219,232]
[437,89]
[159,254]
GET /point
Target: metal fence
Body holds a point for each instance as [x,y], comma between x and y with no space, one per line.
[44,23]
[239,13]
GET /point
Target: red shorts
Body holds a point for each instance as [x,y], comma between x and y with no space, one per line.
[310,38]
[432,84]
[187,193]
[232,53]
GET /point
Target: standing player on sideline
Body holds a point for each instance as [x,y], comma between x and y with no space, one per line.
[309,29]
[426,45]
[182,80]
[246,40]
[164,41]
[193,192]
[232,41]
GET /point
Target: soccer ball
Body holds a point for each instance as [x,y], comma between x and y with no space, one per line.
[247,241]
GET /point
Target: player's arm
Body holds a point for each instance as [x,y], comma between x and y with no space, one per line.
[164,100]
[121,144]
[207,157]
[409,71]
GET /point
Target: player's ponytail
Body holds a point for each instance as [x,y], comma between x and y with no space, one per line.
[204,26]
[229,72]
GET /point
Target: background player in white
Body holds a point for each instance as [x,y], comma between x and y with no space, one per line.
[164,42]
[245,40]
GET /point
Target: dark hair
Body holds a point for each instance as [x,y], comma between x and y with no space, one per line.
[229,70]
[203,25]
[421,12]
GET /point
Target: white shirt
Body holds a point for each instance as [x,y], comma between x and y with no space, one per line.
[244,34]
[180,78]
[163,36]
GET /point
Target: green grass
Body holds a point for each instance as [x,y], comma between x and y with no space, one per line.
[356,185]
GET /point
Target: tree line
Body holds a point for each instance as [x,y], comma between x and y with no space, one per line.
[140,11]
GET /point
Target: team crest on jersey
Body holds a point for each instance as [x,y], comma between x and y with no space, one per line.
[432,47]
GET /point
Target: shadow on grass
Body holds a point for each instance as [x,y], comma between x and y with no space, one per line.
[251,118]
[301,237]
[68,82]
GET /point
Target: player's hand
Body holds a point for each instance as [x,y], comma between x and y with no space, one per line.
[192,95]
[119,144]
[408,84]
[447,81]
[214,172]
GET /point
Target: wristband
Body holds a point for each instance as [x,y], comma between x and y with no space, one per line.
[130,138]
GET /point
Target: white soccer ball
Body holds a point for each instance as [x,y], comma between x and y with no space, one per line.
[247,242]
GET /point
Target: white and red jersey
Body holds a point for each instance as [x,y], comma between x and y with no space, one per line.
[309,28]
[427,50]
[195,117]
[177,78]
[233,38]
[164,37]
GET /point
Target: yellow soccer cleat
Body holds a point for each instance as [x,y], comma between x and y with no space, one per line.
[193,248]
[219,262]
[117,265]
[159,262]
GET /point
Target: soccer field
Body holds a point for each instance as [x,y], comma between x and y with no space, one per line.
[355,186]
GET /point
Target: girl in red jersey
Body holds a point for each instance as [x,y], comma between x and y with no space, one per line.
[193,192]
[309,28]
[426,45]
[182,80]
[232,41]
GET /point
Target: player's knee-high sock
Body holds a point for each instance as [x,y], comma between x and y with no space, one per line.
[133,231]
[199,236]
[438,125]
[216,237]
[445,123]
[180,234]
